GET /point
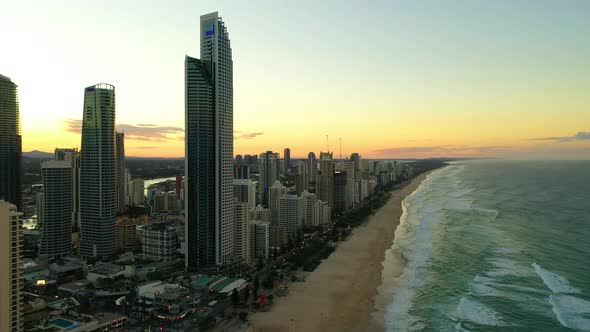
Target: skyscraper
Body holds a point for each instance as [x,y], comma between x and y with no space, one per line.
[287,158]
[98,202]
[243,240]
[73,157]
[301,182]
[120,170]
[10,144]
[209,148]
[325,179]
[290,215]
[11,282]
[312,169]
[56,231]
[267,167]
[245,192]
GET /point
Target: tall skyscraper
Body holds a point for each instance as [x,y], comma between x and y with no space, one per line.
[98,201]
[340,192]
[136,192]
[10,144]
[56,231]
[325,179]
[312,169]
[267,167]
[209,148]
[120,170]
[11,282]
[73,157]
[301,182]
[276,191]
[287,158]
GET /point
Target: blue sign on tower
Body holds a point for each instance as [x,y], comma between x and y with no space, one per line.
[210,30]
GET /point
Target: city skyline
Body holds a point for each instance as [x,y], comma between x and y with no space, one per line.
[452,79]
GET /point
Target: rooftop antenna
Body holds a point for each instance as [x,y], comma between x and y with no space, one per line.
[327,144]
[340,139]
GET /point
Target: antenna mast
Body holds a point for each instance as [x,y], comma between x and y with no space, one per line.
[340,139]
[327,144]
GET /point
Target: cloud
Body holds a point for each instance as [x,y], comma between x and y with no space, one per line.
[142,132]
[440,150]
[247,135]
[579,136]
[151,132]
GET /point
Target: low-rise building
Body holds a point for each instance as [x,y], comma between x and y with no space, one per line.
[160,242]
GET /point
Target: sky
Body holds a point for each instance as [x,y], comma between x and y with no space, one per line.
[390,79]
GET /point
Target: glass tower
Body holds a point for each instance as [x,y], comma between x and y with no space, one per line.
[10,144]
[97,172]
[209,149]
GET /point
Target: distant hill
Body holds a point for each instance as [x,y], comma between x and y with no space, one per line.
[38,154]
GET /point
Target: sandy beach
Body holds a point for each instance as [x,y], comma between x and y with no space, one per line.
[340,294]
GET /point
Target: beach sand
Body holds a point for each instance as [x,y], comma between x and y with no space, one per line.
[340,295]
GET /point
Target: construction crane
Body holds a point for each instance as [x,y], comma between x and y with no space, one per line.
[340,139]
[327,144]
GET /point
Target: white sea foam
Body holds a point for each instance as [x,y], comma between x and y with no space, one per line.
[572,312]
[555,282]
[478,313]
[507,267]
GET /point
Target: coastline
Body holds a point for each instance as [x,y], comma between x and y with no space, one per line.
[341,294]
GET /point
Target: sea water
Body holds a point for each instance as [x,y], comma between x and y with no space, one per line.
[495,246]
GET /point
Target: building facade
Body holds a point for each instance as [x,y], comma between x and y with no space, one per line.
[287,159]
[268,168]
[243,233]
[98,201]
[160,242]
[56,230]
[10,144]
[260,231]
[209,148]
[73,156]
[290,215]
[120,169]
[325,179]
[11,282]
[245,192]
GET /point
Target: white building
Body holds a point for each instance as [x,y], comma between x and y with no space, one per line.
[290,215]
[322,213]
[245,191]
[160,242]
[136,192]
[260,231]
[243,233]
[309,201]
[275,193]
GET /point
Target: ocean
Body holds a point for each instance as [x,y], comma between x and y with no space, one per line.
[495,246]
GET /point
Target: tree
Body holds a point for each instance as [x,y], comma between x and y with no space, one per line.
[255,286]
[246,294]
[260,264]
[235,297]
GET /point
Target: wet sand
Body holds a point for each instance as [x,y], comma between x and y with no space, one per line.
[341,294]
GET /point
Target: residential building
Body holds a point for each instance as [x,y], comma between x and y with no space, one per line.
[10,144]
[322,213]
[301,180]
[11,282]
[325,179]
[340,193]
[160,242]
[312,169]
[267,167]
[260,213]
[243,233]
[136,192]
[73,156]
[290,215]
[245,192]
[209,149]
[287,161]
[56,230]
[127,235]
[98,201]
[348,168]
[309,201]
[275,193]
[260,234]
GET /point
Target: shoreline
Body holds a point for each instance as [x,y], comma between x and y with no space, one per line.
[342,293]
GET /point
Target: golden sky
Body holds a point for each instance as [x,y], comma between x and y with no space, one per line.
[391,79]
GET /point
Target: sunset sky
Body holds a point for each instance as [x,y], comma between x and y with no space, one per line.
[393,79]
